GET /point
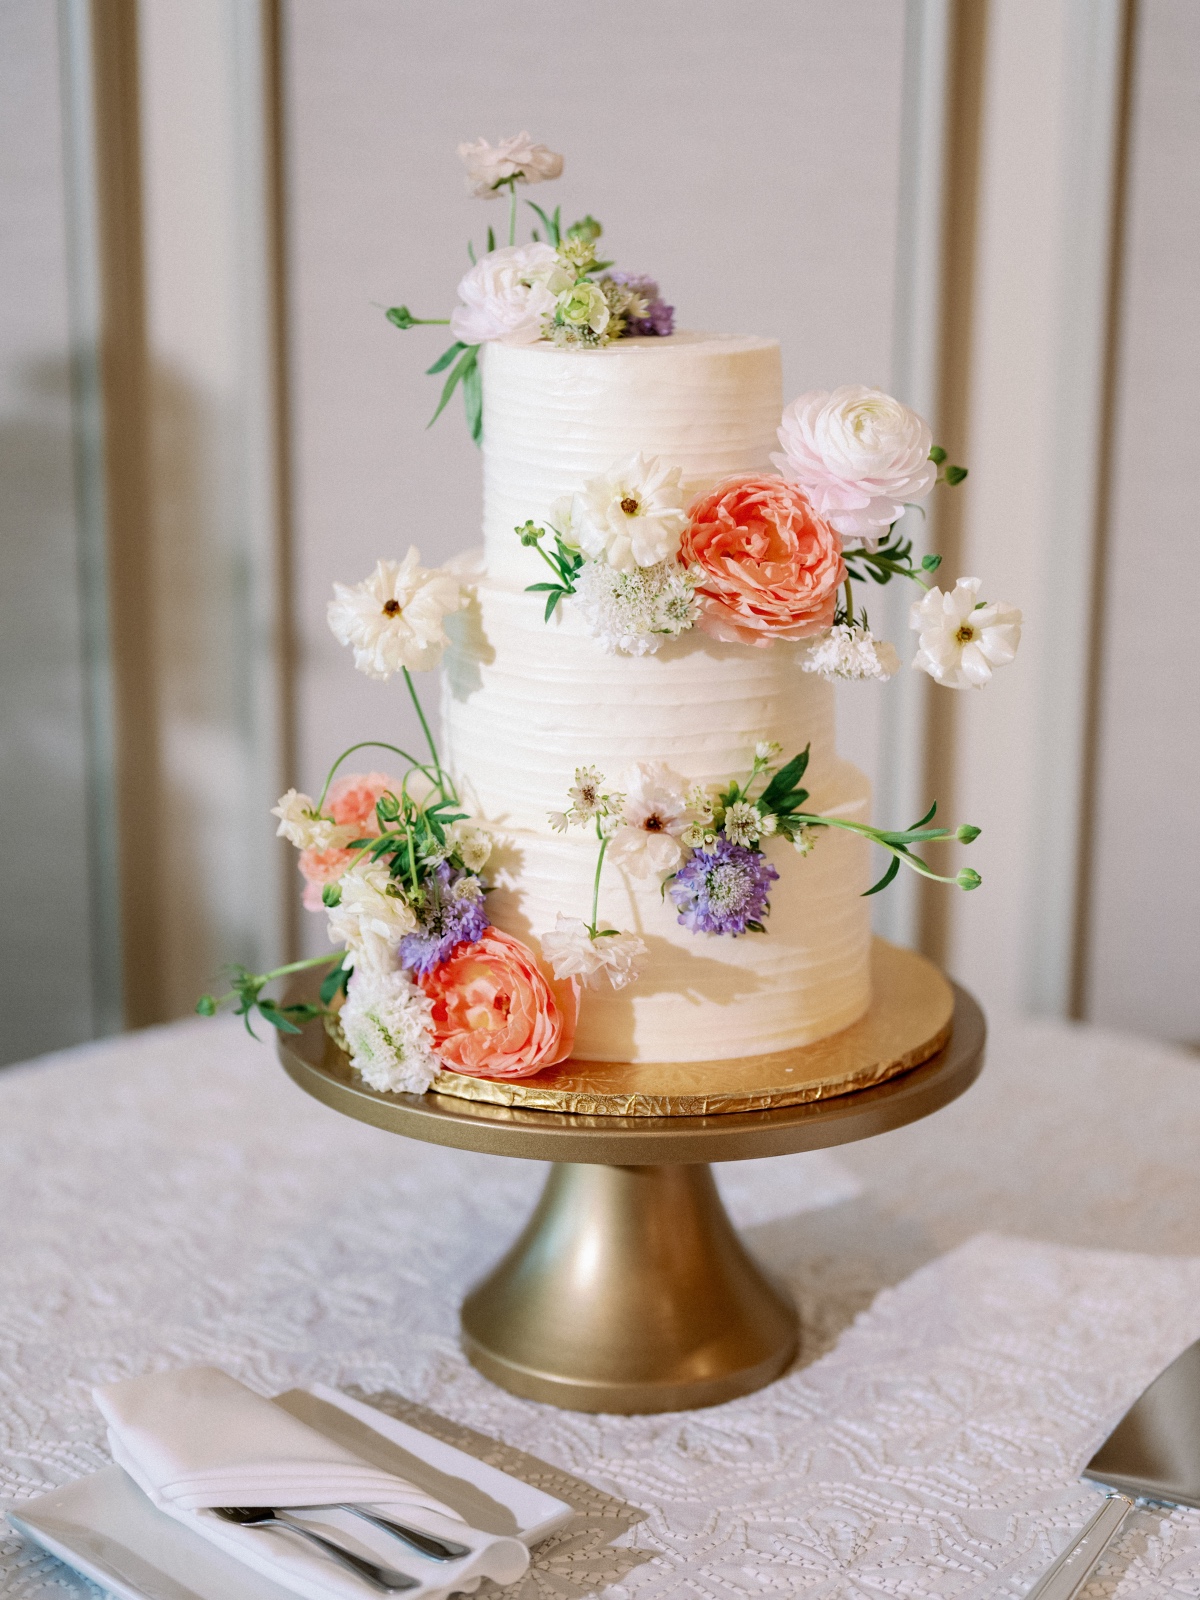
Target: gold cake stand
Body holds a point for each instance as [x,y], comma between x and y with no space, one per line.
[629,1290]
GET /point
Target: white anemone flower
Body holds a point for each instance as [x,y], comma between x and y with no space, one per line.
[654,816]
[517,157]
[301,824]
[633,516]
[610,957]
[394,618]
[851,652]
[962,642]
[388,1026]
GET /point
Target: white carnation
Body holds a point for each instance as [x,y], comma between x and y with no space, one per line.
[851,652]
[394,618]
[860,457]
[961,642]
[633,516]
[301,824]
[573,953]
[633,612]
[654,816]
[388,1026]
[489,165]
[504,296]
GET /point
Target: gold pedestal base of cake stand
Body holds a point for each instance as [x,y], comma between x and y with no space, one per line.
[629,1290]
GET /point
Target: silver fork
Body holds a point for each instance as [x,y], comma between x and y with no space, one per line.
[386,1579]
[426,1544]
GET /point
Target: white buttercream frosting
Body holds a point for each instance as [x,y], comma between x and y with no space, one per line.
[526,702]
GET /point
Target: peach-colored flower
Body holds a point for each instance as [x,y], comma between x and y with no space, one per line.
[351,804]
[770,566]
[496,1014]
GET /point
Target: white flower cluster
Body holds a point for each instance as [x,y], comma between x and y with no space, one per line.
[393,619]
[634,612]
[851,652]
[609,956]
[389,1031]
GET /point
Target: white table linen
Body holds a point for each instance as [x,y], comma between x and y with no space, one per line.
[170,1198]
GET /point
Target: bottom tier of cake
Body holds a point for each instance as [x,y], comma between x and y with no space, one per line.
[708,997]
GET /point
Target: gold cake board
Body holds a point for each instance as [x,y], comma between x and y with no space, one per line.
[907,1021]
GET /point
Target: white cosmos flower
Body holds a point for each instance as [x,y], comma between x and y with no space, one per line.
[393,619]
[504,295]
[846,652]
[515,157]
[633,516]
[388,1026]
[573,953]
[653,818]
[301,824]
[859,455]
[961,642]
[372,916]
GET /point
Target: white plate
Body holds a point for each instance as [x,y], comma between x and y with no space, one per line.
[105,1528]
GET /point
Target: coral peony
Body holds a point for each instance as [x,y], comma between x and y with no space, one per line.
[351,804]
[495,1013]
[771,567]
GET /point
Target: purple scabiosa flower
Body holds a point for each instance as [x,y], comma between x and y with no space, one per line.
[659,318]
[723,889]
[455,915]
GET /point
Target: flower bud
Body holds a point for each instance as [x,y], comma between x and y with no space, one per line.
[529,533]
[967,834]
[331,895]
[968,878]
[206,1006]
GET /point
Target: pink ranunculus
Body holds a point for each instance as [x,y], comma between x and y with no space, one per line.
[771,567]
[351,804]
[496,1014]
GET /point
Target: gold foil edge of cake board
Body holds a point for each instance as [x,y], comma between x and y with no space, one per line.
[908,1021]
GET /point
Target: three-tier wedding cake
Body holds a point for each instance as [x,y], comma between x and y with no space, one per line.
[525,704]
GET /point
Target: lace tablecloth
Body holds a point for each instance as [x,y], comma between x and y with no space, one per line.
[170,1198]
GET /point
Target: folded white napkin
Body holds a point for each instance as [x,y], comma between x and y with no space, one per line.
[196,1438]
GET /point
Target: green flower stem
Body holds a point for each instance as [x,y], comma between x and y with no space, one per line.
[374,744]
[879,837]
[263,978]
[437,762]
[895,568]
[592,930]
[849,602]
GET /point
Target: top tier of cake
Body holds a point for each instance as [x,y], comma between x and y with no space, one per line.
[702,402]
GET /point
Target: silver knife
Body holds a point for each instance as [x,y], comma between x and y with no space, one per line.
[1151,1456]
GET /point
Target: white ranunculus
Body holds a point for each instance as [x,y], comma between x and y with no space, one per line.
[960,641]
[394,618]
[372,916]
[846,652]
[859,456]
[515,157]
[654,815]
[388,1026]
[633,516]
[573,953]
[301,824]
[504,296]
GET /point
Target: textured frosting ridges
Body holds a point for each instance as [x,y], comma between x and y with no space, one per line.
[552,419]
[525,703]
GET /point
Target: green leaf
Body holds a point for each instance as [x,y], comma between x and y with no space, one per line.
[955,475]
[334,981]
[786,779]
[551,601]
[535,588]
[551,224]
[444,360]
[928,817]
[471,251]
[891,872]
[756,927]
[491,239]
[930,563]
[466,360]
[473,396]
[937,454]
